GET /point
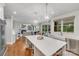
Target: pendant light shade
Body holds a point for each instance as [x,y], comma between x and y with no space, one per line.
[46,17]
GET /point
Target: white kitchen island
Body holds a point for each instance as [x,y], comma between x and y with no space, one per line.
[47,46]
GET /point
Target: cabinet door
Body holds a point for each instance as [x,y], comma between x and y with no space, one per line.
[0,39]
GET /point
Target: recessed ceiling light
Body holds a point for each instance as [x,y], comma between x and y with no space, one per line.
[14,12]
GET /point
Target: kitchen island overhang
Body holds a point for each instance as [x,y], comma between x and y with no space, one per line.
[47,46]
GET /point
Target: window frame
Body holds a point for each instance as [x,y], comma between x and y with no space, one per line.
[62,26]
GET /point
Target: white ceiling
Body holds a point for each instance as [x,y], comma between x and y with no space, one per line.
[28,12]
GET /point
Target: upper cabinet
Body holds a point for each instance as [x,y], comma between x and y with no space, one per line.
[2,11]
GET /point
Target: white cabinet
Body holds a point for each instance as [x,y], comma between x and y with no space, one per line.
[73,45]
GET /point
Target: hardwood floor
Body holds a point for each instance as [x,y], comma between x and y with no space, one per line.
[19,48]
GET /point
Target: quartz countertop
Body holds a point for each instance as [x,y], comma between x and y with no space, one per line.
[75,37]
[48,46]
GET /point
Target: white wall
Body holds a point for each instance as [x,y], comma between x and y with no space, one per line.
[9,34]
[16,27]
[76,23]
[2,11]
[52,26]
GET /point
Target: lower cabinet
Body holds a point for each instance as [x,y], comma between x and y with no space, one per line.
[73,45]
[37,52]
[59,52]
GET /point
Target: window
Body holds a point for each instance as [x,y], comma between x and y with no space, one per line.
[57,26]
[68,25]
[45,28]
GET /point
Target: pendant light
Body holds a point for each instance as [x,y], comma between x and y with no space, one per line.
[46,16]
